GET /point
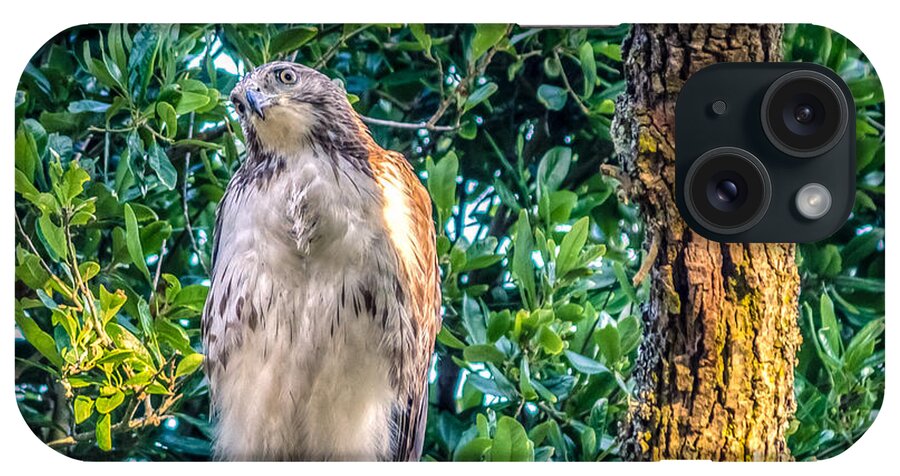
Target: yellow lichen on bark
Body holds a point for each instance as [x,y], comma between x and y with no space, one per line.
[714,376]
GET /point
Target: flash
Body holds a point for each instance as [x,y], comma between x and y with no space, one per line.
[813,201]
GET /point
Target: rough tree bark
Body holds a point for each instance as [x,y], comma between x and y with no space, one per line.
[714,376]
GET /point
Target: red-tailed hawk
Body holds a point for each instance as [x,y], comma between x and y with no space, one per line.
[325,297]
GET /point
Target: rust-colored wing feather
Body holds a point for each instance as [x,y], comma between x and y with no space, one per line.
[408,218]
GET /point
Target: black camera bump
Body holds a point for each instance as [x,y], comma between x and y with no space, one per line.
[765,152]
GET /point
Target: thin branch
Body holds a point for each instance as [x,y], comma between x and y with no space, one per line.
[568,86]
[63,286]
[125,425]
[162,252]
[407,125]
[184,200]
[648,261]
[111,129]
[336,46]
[106,155]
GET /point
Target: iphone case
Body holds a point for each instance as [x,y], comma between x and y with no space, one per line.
[518,285]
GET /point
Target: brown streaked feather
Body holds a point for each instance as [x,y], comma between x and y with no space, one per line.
[408,220]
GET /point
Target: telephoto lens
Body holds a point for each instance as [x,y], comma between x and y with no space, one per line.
[804,113]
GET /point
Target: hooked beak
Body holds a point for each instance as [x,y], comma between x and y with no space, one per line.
[255,101]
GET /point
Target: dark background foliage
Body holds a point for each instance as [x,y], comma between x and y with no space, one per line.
[125,142]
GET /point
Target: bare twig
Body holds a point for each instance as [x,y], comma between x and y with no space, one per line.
[106,155]
[162,252]
[336,46]
[568,86]
[83,147]
[126,425]
[648,261]
[184,200]
[617,173]
[407,125]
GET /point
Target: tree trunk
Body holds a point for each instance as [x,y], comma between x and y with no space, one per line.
[715,372]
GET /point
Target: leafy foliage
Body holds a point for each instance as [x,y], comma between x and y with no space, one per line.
[125,142]
[840,377]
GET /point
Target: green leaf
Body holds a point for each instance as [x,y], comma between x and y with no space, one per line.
[830,331]
[110,303]
[140,379]
[116,356]
[552,97]
[27,157]
[483,353]
[291,39]
[188,365]
[486,36]
[41,340]
[73,182]
[473,450]
[24,187]
[103,433]
[552,67]
[54,237]
[561,204]
[160,164]
[862,346]
[174,335]
[107,404]
[609,343]
[442,182]
[423,38]
[479,96]
[191,101]
[525,385]
[612,51]
[84,407]
[584,364]
[554,167]
[447,338]
[550,341]
[861,247]
[511,443]
[522,266]
[570,312]
[87,105]
[473,320]
[88,270]
[588,67]
[117,47]
[624,282]
[133,242]
[192,296]
[468,130]
[571,246]
[498,324]
[629,333]
[168,118]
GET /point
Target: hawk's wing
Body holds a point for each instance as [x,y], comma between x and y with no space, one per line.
[410,227]
[220,322]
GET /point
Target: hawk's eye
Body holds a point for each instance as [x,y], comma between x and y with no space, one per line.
[287,76]
[240,107]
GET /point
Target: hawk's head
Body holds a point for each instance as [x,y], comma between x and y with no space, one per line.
[285,106]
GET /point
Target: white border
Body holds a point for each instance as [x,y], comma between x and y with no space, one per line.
[28,24]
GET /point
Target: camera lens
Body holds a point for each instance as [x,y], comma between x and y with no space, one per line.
[727,190]
[804,113]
